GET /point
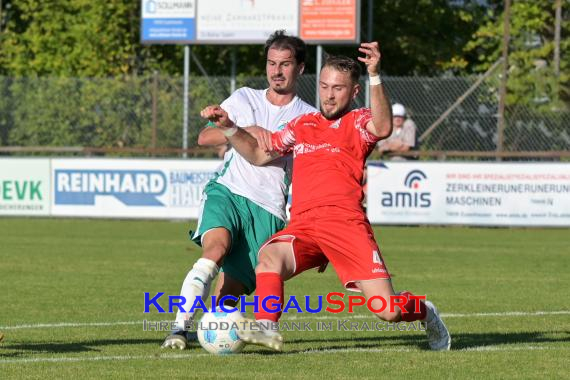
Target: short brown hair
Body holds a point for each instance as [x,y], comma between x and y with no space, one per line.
[280,40]
[343,64]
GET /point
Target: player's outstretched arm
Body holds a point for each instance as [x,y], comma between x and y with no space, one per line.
[242,141]
[210,136]
[381,124]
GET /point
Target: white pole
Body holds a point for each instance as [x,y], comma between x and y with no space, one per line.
[557,23]
[233,71]
[319,64]
[185,100]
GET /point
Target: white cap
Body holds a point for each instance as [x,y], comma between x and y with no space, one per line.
[398,110]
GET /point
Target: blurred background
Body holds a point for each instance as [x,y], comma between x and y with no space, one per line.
[76,80]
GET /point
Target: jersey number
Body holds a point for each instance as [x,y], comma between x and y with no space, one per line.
[376,258]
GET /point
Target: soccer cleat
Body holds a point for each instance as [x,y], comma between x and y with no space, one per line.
[178,339]
[437,334]
[252,332]
[191,336]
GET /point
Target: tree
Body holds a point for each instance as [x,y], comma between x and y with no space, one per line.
[90,38]
[532,80]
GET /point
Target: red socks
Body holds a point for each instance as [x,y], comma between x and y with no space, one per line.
[413,313]
[269,284]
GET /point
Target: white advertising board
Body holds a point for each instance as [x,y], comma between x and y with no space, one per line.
[492,194]
[245,21]
[24,186]
[129,188]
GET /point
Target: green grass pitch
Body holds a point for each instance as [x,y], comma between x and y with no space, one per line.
[72,295]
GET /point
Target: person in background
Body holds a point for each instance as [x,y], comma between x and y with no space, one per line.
[403,137]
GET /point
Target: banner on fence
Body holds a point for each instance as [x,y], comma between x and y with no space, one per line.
[24,186]
[248,21]
[129,188]
[493,194]
[487,194]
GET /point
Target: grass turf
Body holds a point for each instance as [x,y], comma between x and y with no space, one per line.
[92,274]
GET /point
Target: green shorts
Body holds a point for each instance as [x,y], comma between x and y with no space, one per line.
[249,225]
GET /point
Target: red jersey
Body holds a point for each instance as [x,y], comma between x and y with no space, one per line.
[328,158]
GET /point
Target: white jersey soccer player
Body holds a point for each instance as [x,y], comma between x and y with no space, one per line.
[258,191]
[244,205]
[266,186]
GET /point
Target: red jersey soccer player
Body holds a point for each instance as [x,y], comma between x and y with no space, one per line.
[327,219]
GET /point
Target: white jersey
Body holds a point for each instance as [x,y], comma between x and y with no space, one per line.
[266,186]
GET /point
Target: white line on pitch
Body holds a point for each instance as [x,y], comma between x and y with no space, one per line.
[306,352]
[69,324]
[444,315]
[293,317]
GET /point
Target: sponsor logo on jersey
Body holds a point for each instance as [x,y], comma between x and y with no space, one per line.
[304,148]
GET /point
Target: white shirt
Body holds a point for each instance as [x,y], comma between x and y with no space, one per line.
[267,186]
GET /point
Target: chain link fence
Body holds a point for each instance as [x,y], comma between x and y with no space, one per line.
[147,112]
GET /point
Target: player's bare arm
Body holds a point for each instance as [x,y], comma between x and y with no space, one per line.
[262,135]
[242,141]
[381,123]
[211,137]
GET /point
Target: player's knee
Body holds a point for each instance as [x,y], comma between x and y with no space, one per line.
[268,262]
[216,244]
[215,251]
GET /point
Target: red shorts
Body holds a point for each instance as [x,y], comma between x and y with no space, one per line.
[341,236]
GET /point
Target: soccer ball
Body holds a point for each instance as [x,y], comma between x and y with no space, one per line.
[217,332]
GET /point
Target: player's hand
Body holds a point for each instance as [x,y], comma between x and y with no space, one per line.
[218,116]
[371,57]
[263,137]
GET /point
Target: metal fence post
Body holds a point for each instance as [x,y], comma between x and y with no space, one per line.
[154,108]
[186,100]
[503,86]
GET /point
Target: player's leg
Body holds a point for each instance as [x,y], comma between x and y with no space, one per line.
[352,249]
[378,293]
[276,264]
[256,226]
[215,243]
[228,286]
[218,222]
[282,258]
[246,226]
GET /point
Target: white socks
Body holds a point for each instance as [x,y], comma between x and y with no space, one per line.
[197,283]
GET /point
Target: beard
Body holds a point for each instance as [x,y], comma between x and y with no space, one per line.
[279,88]
[335,114]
